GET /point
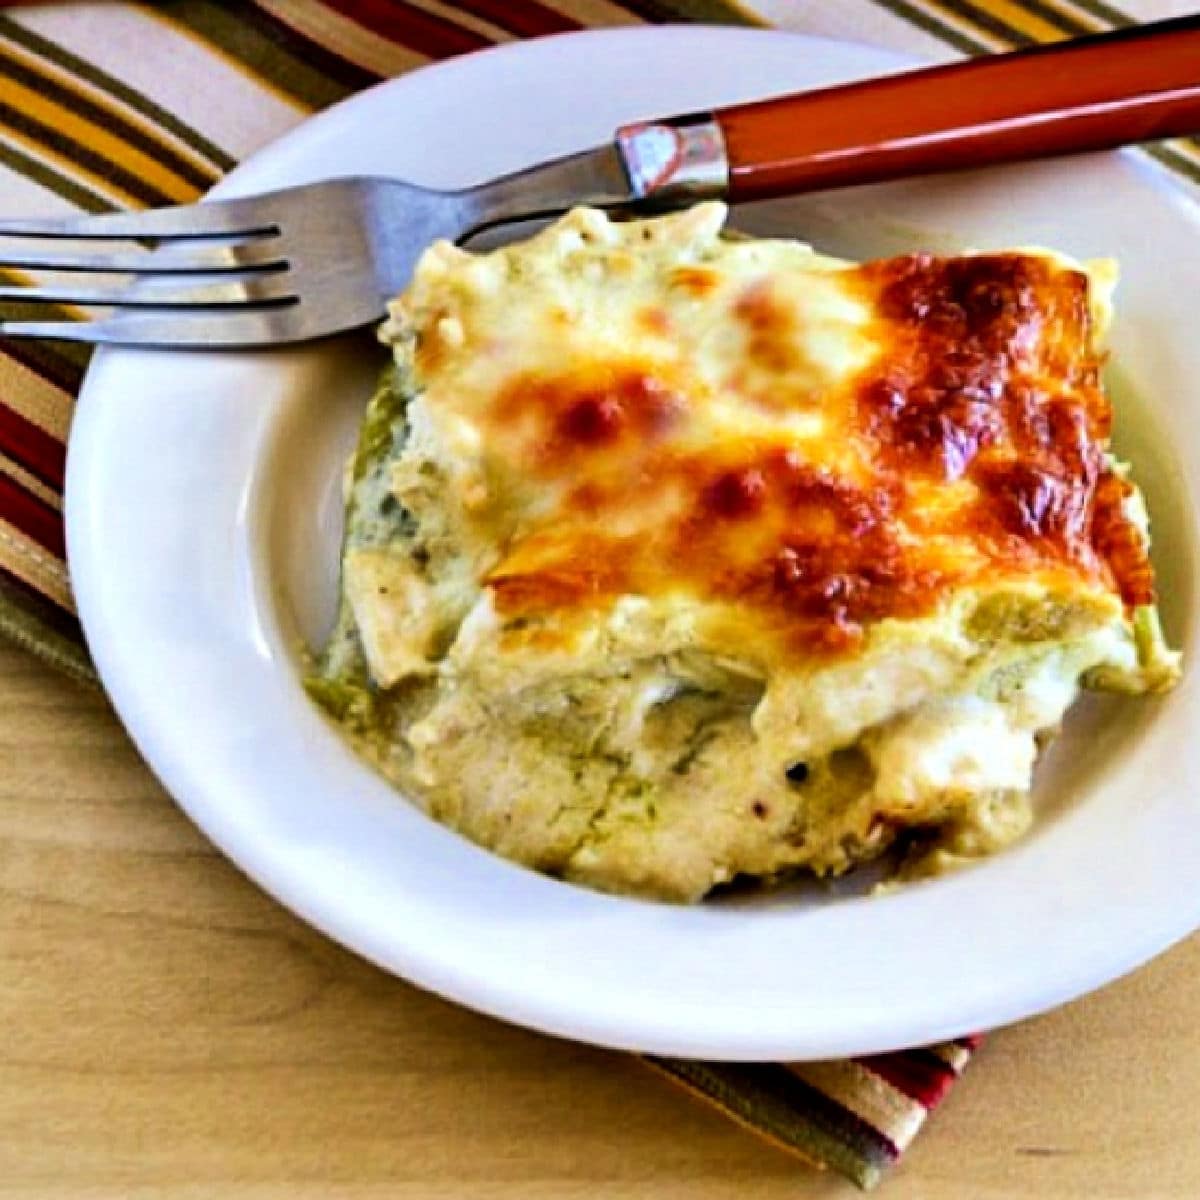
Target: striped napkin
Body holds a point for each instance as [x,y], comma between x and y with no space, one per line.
[120,105]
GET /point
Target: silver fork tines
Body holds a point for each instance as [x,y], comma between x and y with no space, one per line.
[282,267]
[215,257]
[224,258]
[225,218]
[170,260]
[228,273]
[216,329]
[155,293]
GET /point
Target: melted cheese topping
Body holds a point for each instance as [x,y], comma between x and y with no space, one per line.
[794,446]
[672,558]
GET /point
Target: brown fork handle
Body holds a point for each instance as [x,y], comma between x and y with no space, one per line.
[1089,94]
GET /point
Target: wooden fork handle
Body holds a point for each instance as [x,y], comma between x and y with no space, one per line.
[1089,94]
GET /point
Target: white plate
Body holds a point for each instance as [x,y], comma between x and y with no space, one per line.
[203,516]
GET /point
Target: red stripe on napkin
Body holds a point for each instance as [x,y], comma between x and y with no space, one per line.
[32,516]
[413,27]
[31,447]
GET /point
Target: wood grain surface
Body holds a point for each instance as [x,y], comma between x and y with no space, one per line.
[168,1030]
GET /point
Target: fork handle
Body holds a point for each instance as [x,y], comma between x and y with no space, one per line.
[1093,93]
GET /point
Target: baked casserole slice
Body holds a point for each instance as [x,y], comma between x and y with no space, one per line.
[673,558]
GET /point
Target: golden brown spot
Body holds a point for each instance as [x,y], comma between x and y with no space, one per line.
[1033,503]
[591,410]
[736,493]
[432,347]
[697,282]
[654,320]
[1119,542]
[990,375]
[563,572]
[771,333]
[594,418]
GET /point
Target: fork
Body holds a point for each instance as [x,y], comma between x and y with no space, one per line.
[309,261]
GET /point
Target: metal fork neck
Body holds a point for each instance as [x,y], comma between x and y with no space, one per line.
[592,177]
[660,164]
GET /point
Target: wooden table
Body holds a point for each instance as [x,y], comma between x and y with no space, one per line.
[169,1031]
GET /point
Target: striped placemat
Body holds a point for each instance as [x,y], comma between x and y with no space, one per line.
[120,105]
